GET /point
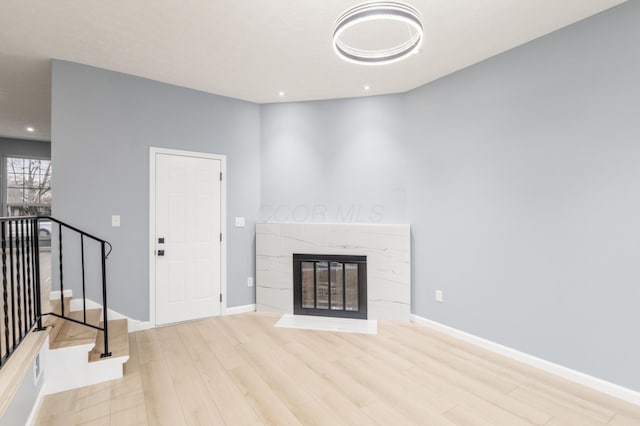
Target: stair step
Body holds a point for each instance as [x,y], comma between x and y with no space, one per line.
[118,341]
[72,334]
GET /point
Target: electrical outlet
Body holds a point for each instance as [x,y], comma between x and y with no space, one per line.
[439,297]
[115,220]
[250,282]
[239,222]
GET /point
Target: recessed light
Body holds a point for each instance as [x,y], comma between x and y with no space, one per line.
[281,94]
[30,129]
[366,87]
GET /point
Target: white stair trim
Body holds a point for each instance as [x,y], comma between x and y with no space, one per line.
[55,295]
[69,368]
[132,324]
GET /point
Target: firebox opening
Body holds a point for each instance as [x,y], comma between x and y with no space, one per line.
[330,285]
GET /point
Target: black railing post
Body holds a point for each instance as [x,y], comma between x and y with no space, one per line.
[61,278]
[12,284]
[35,234]
[18,278]
[84,297]
[29,268]
[25,284]
[105,324]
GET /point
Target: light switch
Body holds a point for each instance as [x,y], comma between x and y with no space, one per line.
[115,220]
[239,222]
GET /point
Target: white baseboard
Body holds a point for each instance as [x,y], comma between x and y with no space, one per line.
[240,309]
[135,325]
[31,420]
[55,295]
[595,383]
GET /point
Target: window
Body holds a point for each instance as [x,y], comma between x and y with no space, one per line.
[28,186]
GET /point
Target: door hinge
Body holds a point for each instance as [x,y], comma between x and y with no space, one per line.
[221,237]
[220,297]
[220,176]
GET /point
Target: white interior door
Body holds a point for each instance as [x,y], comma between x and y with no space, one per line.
[188,259]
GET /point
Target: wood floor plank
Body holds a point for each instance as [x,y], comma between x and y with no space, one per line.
[265,402]
[230,401]
[241,370]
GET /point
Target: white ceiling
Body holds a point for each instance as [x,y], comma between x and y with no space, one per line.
[246,49]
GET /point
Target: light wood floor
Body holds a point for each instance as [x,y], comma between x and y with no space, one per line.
[241,370]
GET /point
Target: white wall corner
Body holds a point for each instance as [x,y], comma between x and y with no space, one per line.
[240,309]
[584,379]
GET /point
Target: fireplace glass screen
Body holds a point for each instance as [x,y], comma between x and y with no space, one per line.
[330,285]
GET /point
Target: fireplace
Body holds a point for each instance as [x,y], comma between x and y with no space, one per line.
[330,285]
[387,248]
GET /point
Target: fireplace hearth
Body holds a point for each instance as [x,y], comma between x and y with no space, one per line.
[330,285]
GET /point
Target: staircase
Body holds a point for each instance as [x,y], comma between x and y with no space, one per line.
[76,343]
[75,351]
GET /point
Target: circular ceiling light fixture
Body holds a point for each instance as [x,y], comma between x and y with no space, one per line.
[377,33]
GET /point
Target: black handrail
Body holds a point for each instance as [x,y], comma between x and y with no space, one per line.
[20,283]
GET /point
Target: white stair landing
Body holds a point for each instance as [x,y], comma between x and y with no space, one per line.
[345,325]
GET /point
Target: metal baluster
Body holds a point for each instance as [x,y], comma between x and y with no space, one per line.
[36,273]
[13,287]
[104,303]
[18,287]
[5,294]
[29,266]
[60,257]
[27,320]
[84,299]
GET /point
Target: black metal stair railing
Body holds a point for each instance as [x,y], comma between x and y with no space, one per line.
[21,299]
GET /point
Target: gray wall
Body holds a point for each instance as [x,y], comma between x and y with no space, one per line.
[522,185]
[103,124]
[334,161]
[526,183]
[20,148]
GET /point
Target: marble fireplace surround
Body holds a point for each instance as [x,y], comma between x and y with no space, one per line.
[387,247]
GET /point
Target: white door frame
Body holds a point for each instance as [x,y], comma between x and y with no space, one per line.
[152,224]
